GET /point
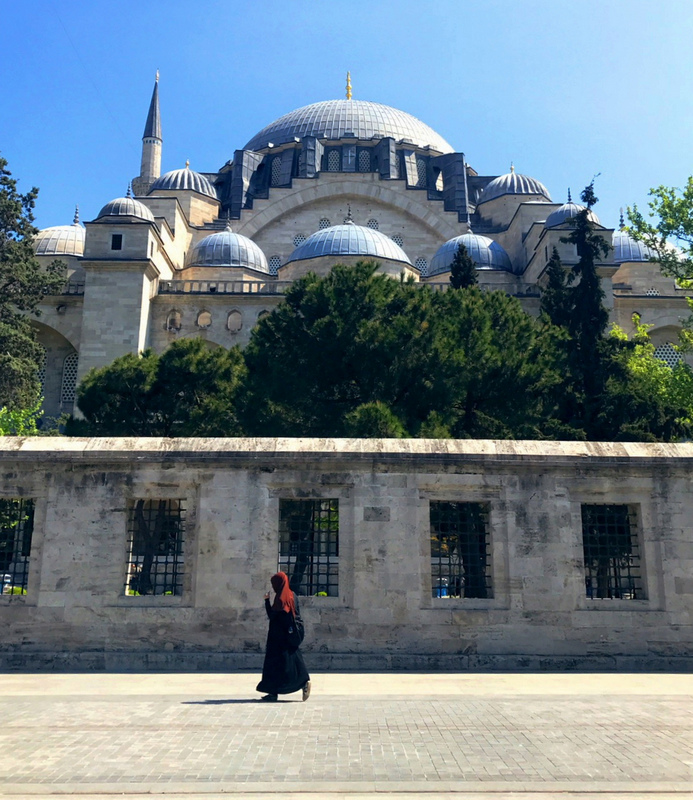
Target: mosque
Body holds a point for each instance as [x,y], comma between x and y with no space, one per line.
[206,254]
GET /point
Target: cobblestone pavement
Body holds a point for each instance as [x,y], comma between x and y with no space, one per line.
[358,735]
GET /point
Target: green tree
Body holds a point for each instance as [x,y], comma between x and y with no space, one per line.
[462,269]
[189,390]
[23,285]
[557,296]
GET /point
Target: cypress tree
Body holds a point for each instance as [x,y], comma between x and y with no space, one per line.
[557,296]
[462,269]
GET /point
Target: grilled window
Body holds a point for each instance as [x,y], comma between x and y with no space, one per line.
[422,265]
[67,392]
[274,263]
[324,223]
[156,538]
[334,161]
[42,368]
[309,545]
[16,529]
[420,172]
[276,173]
[460,550]
[398,240]
[299,239]
[364,160]
[668,354]
[373,224]
[612,554]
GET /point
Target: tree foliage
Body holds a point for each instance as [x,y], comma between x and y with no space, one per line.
[462,269]
[189,390]
[23,285]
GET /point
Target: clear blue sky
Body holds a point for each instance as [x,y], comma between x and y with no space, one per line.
[563,89]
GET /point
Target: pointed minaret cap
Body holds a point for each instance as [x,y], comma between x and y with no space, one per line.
[621,222]
[75,221]
[129,192]
[152,129]
[570,199]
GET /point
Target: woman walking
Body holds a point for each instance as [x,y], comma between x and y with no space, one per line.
[283,671]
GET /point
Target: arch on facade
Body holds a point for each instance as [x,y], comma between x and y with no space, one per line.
[59,372]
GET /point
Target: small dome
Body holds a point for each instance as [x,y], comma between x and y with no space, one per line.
[227,249]
[567,211]
[126,207]
[512,183]
[60,240]
[349,240]
[184,180]
[628,249]
[486,253]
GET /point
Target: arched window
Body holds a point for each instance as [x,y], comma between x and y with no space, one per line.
[364,160]
[334,161]
[421,264]
[234,321]
[439,181]
[173,321]
[274,263]
[373,223]
[276,174]
[324,223]
[204,319]
[299,239]
[668,354]
[42,368]
[421,172]
[398,240]
[69,384]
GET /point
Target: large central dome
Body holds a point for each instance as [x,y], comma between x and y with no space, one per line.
[334,119]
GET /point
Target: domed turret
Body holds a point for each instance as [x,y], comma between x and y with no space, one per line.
[486,254]
[566,212]
[628,249]
[349,240]
[126,207]
[184,180]
[61,240]
[227,249]
[512,183]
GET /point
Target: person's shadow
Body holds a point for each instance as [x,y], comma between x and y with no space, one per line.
[219,702]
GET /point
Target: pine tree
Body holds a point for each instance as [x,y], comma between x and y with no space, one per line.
[557,296]
[462,269]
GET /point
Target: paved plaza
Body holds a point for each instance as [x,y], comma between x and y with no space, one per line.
[400,735]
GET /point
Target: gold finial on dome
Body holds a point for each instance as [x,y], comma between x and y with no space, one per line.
[512,166]
[75,221]
[348,86]
[187,163]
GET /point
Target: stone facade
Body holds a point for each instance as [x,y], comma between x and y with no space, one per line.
[384,610]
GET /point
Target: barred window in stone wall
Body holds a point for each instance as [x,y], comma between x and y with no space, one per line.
[611,552]
[42,368]
[324,223]
[422,265]
[309,545]
[276,174]
[16,530]
[299,239]
[668,354]
[460,550]
[421,172]
[364,161]
[398,240]
[373,223]
[69,384]
[156,539]
[274,263]
[652,292]
[334,161]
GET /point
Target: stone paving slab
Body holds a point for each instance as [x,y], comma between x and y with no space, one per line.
[369,735]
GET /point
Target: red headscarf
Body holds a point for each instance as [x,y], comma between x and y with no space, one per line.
[284,599]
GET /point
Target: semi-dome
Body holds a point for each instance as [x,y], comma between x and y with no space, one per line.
[126,207]
[513,183]
[349,240]
[628,249]
[566,212]
[61,240]
[186,180]
[227,249]
[485,253]
[335,119]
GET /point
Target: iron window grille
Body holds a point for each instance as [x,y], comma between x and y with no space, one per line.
[373,224]
[156,538]
[421,172]
[334,161]
[276,171]
[274,263]
[364,161]
[612,553]
[460,550]
[309,545]
[69,384]
[16,529]
[324,223]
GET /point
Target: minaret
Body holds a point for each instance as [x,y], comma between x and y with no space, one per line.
[150,168]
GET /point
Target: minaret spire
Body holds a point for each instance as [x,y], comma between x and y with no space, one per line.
[348,86]
[150,168]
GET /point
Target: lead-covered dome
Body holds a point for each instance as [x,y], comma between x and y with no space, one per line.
[485,253]
[227,249]
[336,119]
[567,212]
[513,183]
[349,240]
[61,240]
[628,249]
[185,180]
[126,207]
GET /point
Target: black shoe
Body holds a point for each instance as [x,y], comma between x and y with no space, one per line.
[269,698]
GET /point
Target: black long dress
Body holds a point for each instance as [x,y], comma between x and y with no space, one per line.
[283,671]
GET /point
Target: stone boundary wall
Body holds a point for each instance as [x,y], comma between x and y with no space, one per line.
[384,616]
